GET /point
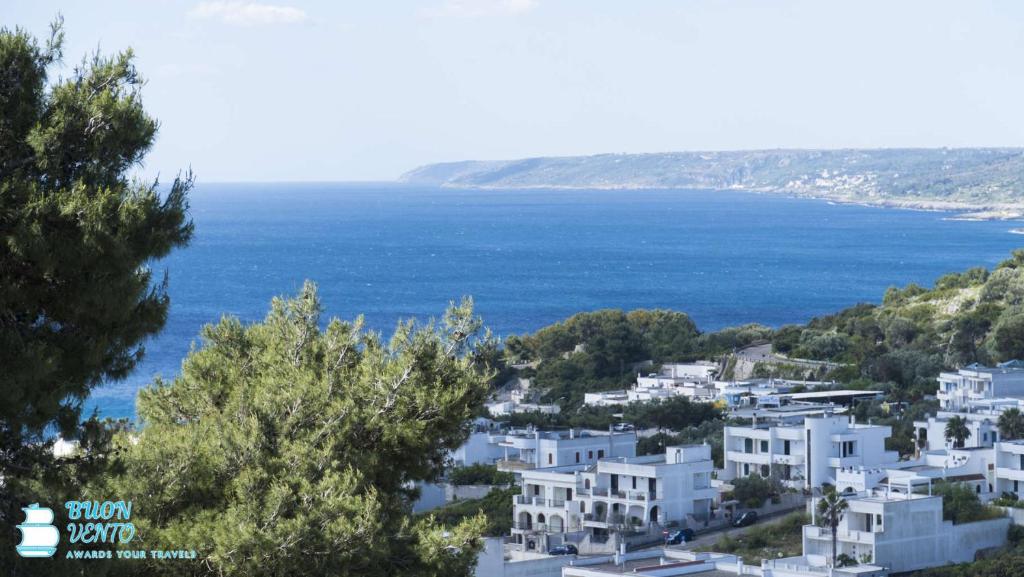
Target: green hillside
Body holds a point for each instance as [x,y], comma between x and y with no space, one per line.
[976,178]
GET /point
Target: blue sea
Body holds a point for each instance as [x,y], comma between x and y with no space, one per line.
[530,258]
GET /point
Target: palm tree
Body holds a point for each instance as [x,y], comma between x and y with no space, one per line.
[957,431]
[1011,424]
[831,509]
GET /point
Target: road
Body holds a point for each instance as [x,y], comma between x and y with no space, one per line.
[706,541]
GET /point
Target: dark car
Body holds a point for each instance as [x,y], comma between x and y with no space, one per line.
[748,518]
[679,536]
[564,550]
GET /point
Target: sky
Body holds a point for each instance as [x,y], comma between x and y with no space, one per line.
[294,90]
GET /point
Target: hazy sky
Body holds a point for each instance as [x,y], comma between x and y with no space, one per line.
[360,90]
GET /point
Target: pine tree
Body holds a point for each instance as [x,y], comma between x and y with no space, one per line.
[287,449]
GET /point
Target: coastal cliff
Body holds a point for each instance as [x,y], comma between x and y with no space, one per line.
[987,181]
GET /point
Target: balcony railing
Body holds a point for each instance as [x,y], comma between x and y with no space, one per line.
[539,501]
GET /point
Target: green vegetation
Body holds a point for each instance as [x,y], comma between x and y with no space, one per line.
[287,437]
[1011,424]
[957,431]
[970,176]
[676,414]
[496,508]
[1008,499]
[960,504]
[831,510]
[480,474]
[767,540]
[754,490]
[77,295]
[603,350]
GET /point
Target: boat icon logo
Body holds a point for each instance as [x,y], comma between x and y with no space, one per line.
[39,537]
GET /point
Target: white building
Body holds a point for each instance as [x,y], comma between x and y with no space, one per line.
[531,448]
[901,532]
[606,398]
[806,454]
[974,384]
[982,424]
[482,447]
[503,408]
[968,466]
[617,493]
[1009,467]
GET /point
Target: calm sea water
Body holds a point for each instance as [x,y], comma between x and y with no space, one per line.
[530,258]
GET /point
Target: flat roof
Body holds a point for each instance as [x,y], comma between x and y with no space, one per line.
[835,393]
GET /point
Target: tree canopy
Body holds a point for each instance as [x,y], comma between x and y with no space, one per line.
[287,449]
[78,238]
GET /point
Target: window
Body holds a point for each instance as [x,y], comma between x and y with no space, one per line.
[785,447]
[536,489]
[551,458]
[746,469]
[590,455]
[764,446]
[634,482]
[577,456]
[583,506]
[600,453]
[764,471]
[586,483]
[748,445]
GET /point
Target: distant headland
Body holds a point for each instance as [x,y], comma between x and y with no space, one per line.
[984,183]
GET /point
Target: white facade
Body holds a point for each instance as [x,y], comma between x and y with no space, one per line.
[806,454]
[605,398]
[629,492]
[968,466]
[902,532]
[975,383]
[1009,467]
[982,425]
[531,448]
[502,408]
[480,448]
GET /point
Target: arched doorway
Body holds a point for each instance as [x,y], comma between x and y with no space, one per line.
[655,514]
[555,524]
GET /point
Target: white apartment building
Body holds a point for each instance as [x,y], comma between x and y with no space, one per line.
[534,449]
[967,466]
[976,384]
[807,454]
[1009,467]
[981,424]
[615,493]
[901,532]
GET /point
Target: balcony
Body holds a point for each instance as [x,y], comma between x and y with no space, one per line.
[788,459]
[512,465]
[539,501]
[843,535]
[848,461]
[755,458]
[1008,473]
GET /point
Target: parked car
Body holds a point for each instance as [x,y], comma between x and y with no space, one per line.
[679,536]
[745,519]
[622,427]
[564,550]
